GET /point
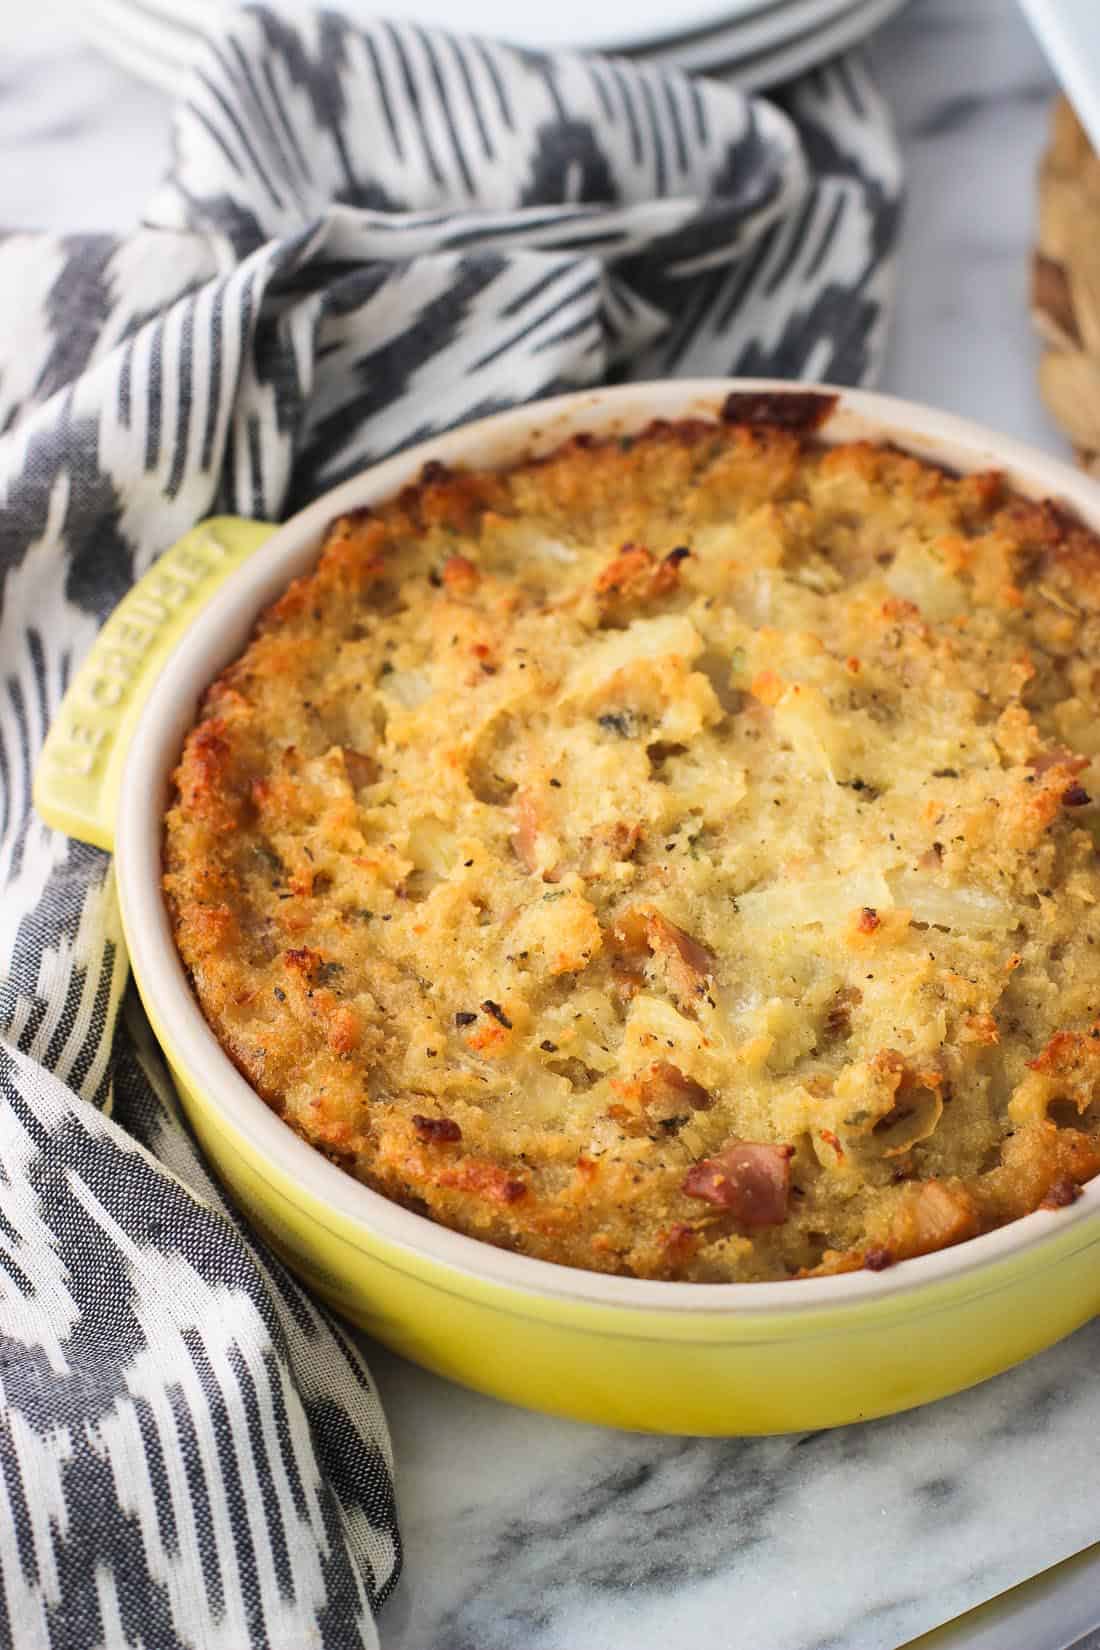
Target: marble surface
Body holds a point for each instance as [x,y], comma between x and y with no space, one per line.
[525,1533]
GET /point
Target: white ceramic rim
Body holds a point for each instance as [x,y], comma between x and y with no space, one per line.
[217,636]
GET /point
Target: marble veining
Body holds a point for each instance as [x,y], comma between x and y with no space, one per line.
[528,1533]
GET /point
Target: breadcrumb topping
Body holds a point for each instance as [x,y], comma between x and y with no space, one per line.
[676,856]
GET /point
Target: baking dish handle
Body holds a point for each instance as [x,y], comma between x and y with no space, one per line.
[79,774]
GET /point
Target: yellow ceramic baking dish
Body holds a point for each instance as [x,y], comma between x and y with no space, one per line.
[672,1357]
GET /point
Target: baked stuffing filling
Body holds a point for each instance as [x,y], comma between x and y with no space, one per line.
[675,856]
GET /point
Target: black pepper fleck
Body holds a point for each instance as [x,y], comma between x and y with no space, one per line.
[618,721]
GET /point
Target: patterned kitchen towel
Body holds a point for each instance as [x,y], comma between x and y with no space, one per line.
[368,235]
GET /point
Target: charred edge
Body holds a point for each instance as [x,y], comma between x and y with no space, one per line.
[1060,518]
[800,411]
[684,431]
[949,472]
[357,517]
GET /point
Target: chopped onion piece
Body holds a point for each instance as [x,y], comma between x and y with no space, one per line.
[970,910]
[551,550]
[826,900]
[916,576]
[410,688]
[432,846]
[654,1028]
[668,634]
[803,716]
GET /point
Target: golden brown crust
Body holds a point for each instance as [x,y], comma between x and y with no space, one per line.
[672,856]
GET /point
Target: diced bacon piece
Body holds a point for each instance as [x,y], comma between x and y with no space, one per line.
[627,982]
[680,1241]
[360,768]
[437,1130]
[750,1179]
[631,932]
[460,576]
[635,574]
[686,964]
[1061,1193]
[665,1084]
[525,832]
[483,1179]
[1059,757]
[877,1259]
[935,1215]
[689,964]
[609,845]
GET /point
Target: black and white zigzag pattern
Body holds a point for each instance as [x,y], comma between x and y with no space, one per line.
[368,235]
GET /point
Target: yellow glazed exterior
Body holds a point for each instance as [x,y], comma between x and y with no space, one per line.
[647,1370]
[79,775]
[667,1357]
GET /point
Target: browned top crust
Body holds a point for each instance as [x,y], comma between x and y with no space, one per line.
[675,856]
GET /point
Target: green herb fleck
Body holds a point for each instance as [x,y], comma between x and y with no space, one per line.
[266,853]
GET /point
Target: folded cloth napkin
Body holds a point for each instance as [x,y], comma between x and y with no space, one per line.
[368,235]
